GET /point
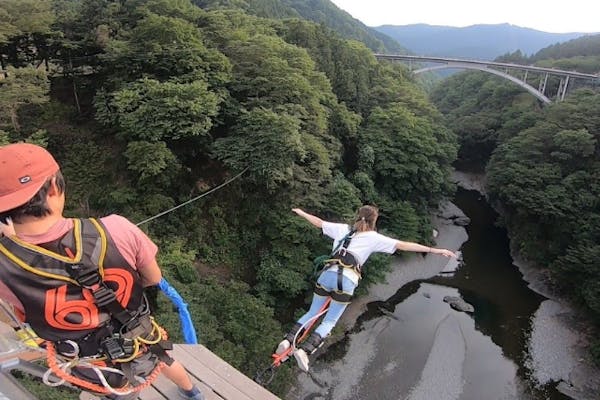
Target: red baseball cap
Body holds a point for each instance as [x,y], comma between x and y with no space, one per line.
[24,168]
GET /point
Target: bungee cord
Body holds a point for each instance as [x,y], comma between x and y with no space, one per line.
[193,199]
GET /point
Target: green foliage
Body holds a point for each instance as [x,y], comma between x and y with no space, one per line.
[40,390]
[410,162]
[24,17]
[148,159]
[265,142]
[152,110]
[588,45]
[4,138]
[482,110]
[545,179]
[174,257]
[320,12]
[343,198]
[230,321]
[163,47]
[21,86]
[365,184]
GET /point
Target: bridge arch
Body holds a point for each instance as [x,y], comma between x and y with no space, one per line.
[483,68]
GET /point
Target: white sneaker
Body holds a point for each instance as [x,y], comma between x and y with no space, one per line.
[302,359]
[283,346]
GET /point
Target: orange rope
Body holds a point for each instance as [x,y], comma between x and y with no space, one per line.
[52,363]
[279,358]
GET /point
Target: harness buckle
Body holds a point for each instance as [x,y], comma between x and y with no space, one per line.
[86,279]
[103,295]
[112,348]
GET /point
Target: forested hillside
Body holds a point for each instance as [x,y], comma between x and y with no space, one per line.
[318,11]
[542,164]
[148,103]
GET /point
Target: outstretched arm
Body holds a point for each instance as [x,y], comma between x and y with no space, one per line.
[410,246]
[316,221]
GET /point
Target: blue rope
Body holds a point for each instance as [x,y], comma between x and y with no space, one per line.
[187,326]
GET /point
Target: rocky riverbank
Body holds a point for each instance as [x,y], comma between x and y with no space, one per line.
[558,344]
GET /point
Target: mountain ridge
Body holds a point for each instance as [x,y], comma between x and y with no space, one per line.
[482,41]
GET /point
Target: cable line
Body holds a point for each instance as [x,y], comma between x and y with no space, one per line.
[194,199]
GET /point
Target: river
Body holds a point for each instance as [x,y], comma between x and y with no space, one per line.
[413,346]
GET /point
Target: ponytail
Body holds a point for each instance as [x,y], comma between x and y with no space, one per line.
[366,218]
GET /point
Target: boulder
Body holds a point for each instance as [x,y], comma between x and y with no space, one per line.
[459,304]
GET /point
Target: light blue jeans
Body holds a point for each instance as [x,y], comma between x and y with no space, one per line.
[328,280]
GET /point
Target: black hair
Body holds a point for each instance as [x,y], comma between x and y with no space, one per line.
[37,206]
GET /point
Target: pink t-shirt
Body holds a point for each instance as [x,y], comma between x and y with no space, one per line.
[133,244]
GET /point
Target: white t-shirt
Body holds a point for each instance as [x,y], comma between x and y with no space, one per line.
[362,245]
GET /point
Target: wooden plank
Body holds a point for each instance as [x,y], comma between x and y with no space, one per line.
[162,388]
[150,393]
[168,389]
[234,377]
[204,373]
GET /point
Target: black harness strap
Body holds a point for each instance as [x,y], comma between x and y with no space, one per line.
[338,296]
[134,324]
[88,277]
[343,254]
[342,259]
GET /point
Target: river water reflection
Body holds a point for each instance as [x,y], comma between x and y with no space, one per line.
[414,346]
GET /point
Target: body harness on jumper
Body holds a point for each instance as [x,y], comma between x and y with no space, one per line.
[341,258]
[111,348]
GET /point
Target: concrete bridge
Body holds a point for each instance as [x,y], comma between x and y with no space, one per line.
[500,69]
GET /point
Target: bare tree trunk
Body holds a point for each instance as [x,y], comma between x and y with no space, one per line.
[3,67]
[75,96]
[14,118]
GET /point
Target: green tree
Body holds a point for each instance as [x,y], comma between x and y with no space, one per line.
[148,159]
[152,110]
[266,142]
[410,162]
[22,86]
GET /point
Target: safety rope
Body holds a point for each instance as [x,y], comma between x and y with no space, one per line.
[307,326]
[62,370]
[311,321]
[193,199]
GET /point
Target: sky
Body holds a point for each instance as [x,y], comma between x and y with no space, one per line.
[544,15]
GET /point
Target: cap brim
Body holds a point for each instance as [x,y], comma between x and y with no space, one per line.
[20,197]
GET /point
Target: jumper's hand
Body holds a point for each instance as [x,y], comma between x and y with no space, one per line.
[444,252]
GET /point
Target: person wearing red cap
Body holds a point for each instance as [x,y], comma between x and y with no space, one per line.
[77,279]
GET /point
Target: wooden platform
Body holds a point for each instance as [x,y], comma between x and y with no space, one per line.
[217,379]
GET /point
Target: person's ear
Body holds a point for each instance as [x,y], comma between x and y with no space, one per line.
[53,190]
